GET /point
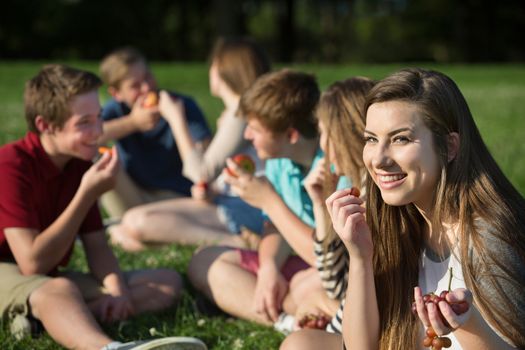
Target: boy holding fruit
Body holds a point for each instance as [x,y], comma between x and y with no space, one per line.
[151,161]
[214,215]
[49,198]
[258,285]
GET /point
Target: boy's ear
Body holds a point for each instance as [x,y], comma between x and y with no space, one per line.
[452,145]
[42,125]
[113,92]
[293,135]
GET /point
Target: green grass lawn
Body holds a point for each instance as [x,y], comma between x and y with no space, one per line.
[495,94]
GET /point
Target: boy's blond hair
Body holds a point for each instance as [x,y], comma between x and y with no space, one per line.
[283,99]
[49,93]
[115,67]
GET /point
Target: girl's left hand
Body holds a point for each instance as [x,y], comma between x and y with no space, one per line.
[172,109]
[437,316]
[316,180]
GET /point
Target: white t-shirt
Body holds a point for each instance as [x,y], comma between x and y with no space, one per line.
[434,276]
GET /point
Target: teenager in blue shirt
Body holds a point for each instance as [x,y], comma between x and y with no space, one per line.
[144,139]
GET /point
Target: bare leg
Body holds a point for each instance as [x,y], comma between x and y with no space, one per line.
[306,289]
[58,304]
[154,290]
[216,272]
[183,220]
[151,290]
[310,339]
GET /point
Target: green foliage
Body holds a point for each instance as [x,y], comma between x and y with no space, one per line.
[291,30]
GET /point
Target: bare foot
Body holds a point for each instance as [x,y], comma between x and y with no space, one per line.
[119,236]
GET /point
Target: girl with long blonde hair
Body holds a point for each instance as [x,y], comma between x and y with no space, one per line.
[440,216]
[341,123]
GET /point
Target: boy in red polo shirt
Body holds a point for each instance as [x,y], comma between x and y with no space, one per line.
[49,190]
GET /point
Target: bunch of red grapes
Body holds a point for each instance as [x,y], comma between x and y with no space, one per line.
[432,339]
[314,321]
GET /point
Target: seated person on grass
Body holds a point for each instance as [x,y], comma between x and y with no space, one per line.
[258,285]
[49,198]
[341,124]
[150,157]
[441,219]
[214,216]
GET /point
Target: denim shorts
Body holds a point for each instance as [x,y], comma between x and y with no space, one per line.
[236,213]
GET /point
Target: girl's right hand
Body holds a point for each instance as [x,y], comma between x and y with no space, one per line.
[348,220]
[315,182]
[171,109]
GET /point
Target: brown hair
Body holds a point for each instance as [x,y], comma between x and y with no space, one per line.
[471,187]
[239,62]
[114,68]
[283,99]
[49,93]
[341,110]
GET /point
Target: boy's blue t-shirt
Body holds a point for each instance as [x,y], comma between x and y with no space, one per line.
[343,183]
[152,158]
[287,178]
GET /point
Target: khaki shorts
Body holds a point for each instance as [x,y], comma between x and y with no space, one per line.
[16,288]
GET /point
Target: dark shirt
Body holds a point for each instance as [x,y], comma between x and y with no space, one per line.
[152,158]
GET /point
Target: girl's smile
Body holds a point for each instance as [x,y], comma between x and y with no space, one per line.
[399,154]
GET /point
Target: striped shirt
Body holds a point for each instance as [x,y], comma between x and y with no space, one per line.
[333,269]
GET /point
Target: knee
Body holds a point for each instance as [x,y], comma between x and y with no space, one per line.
[169,285]
[134,223]
[172,284]
[205,263]
[198,268]
[58,285]
[295,341]
[54,289]
[291,342]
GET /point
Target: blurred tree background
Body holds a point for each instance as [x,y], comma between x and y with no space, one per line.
[291,30]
